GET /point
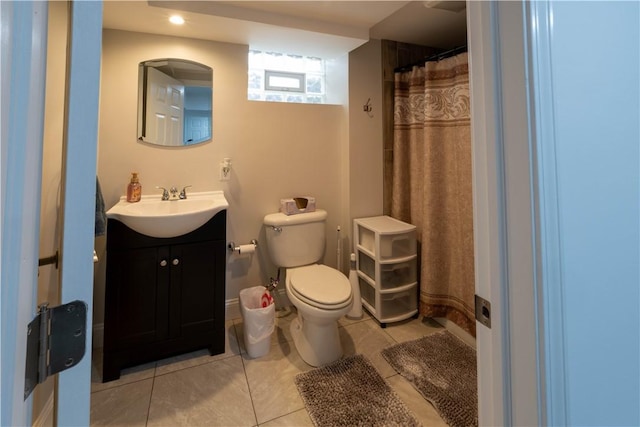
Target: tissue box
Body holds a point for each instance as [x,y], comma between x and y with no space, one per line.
[297,205]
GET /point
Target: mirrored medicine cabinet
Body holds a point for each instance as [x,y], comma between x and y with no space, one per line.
[174,102]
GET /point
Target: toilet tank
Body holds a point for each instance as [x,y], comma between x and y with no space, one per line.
[296,240]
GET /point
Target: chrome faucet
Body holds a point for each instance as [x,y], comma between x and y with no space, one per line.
[172,193]
[165,193]
[183,193]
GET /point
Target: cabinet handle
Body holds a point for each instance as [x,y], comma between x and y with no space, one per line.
[175,261]
[163,263]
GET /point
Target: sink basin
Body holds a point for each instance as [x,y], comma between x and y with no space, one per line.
[168,218]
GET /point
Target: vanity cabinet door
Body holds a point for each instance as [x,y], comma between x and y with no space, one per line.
[197,278]
[163,296]
[137,297]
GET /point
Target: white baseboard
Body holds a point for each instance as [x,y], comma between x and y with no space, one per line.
[45,417]
[232,311]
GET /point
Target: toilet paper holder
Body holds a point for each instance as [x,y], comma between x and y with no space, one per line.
[239,248]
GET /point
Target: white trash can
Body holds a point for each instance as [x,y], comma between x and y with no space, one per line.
[259,321]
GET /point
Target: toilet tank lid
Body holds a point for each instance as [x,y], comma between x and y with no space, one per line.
[279,219]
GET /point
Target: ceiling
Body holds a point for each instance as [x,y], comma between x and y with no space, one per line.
[319,28]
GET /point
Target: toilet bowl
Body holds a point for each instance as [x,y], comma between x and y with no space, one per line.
[322,295]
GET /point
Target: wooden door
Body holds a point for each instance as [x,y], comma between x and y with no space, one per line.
[197,126]
[165,108]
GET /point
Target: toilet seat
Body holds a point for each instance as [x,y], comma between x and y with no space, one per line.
[320,286]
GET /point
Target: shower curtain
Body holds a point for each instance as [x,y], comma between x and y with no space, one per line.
[431,185]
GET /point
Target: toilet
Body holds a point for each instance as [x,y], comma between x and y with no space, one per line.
[321,294]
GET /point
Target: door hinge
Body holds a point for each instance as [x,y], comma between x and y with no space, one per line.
[483,311]
[56,340]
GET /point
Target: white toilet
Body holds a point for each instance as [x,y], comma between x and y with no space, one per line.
[321,294]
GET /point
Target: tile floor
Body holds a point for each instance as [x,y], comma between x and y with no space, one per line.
[231,389]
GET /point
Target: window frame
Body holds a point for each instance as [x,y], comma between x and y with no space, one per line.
[264,65]
[300,77]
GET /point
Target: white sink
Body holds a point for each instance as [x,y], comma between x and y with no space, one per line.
[169,218]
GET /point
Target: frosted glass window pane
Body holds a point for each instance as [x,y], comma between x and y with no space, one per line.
[295,98]
[274,97]
[314,84]
[255,79]
[272,76]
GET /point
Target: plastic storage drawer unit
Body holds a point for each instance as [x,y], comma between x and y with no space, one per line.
[386,262]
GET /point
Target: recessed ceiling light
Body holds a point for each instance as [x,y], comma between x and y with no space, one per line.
[176,19]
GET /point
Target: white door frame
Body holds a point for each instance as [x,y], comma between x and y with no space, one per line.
[78,195]
[487,200]
[22,89]
[511,389]
[23,44]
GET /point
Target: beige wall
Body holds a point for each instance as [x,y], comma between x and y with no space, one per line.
[365,131]
[278,150]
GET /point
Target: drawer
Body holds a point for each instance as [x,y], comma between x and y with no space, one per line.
[397,245]
[367,265]
[367,292]
[398,303]
[367,239]
[397,274]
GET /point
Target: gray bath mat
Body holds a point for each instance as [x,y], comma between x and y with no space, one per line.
[350,392]
[443,369]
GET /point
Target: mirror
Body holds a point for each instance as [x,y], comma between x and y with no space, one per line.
[174,102]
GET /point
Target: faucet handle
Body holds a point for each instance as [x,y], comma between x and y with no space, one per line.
[183,193]
[165,192]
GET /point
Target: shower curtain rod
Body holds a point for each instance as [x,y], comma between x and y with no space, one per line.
[437,57]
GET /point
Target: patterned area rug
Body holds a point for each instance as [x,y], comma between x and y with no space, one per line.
[351,392]
[443,369]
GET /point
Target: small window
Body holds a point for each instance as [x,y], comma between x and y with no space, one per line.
[280,77]
[278,80]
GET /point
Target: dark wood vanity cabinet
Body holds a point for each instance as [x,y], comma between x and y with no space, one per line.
[163,296]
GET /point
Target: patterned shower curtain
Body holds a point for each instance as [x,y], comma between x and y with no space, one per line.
[432,183]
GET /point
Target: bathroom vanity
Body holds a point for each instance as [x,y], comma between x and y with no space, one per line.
[164,296]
